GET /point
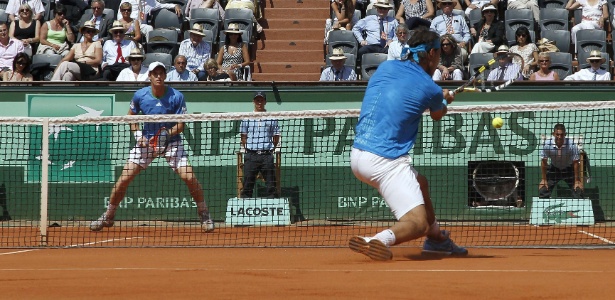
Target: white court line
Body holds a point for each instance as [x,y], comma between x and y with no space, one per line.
[75,245]
[598,237]
[311,270]
[17,252]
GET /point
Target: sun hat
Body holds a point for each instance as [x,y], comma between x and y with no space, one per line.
[88,25]
[197,29]
[233,28]
[338,54]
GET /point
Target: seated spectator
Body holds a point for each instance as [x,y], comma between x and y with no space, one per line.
[21,69]
[249,4]
[344,14]
[489,33]
[506,69]
[544,72]
[452,24]
[56,34]
[146,8]
[26,29]
[13,9]
[526,4]
[415,13]
[192,4]
[136,71]
[196,51]
[179,71]
[594,15]
[82,63]
[115,52]
[102,21]
[338,71]
[133,27]
[215,74]
[234,55]
[379,29]
[403,34]
[450,60]
[593,72]
[9,48]
[478,4]
[526,49]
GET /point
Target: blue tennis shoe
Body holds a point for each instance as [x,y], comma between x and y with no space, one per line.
[446,247]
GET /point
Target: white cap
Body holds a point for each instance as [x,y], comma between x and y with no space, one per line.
[154,65]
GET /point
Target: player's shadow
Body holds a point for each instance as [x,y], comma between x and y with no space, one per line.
[418,256]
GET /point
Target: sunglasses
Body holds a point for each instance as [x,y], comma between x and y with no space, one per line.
[136,58]
[401,33]
[181,62]
[595,60]
[447,4]
[24,10]
[22,63]
[60,13]
[126,9]
[522,35]
[118,32]
[544,60]
[90,31]
[446,44]
[96,8]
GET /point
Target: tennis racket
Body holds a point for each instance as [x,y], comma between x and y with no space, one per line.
[490,65]
[160,141]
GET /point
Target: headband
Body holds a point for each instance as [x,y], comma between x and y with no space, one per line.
[407,50]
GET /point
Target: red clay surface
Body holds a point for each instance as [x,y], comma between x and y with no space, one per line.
[306,273]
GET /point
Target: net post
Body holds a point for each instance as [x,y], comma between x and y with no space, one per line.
[44,180]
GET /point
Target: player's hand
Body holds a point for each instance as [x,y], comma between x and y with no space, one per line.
[578,185]
[178,10]
[543,184]
[448,96]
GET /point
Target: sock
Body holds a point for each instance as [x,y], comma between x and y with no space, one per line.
[434,231]
[201,207]
[387,237]
[111,210]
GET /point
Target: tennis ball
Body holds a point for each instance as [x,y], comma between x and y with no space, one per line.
[497,122]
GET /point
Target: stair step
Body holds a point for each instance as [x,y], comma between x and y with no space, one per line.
[288,67]
[286,77]
[303,13]
[295,24]
[294,34]
[296,4]
[289,55]
[292,45]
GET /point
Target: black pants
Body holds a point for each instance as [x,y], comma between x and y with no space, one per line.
[110,72]
[253,164]
[555,175]
[374,48]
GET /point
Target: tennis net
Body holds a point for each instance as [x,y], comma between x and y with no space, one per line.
[57,174]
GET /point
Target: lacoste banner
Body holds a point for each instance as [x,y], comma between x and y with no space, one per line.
[561,212]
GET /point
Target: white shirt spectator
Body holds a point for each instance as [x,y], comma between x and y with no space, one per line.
[395,50]
[128,75]
[173,75]
[110,51]
[12,8]
[588,74]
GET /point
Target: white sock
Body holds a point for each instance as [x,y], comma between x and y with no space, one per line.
[111,210]
[434,230]
[387,237]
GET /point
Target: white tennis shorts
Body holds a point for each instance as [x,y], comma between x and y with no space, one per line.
[395,179]
[176,156]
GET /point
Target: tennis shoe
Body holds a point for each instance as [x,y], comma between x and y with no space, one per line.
[370,247]
[101,222]
[207,224]
[446,247]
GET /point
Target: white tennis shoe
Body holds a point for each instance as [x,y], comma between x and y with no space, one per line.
[207,224]
[371,247]
[101,222]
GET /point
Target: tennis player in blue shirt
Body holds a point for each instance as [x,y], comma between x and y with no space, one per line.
[396,97]
[157,99]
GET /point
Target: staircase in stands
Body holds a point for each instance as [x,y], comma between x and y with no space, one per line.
[291,47]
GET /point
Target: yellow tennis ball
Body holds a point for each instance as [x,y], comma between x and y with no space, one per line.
[497,122]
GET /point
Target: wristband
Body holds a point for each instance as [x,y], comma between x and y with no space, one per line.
[138,135]
[444,102]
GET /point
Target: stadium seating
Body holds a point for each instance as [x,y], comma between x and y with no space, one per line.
[552,4]
[560,37]
[164,18]
[370,62]
[4,4]
[161,40]
[475,17]
[561,63]
[515,18]
[477,60]
[164,58]
[344,39]
[39,60]
[582,58]
[591,39]
[242,17]
[3,16]
[209,18]
[553,19]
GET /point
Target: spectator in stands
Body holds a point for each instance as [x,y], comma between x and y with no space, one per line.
[451,62]
[478,4]
[593,72]
[452,24]
[103,21]
[403,34]
[249,4]
[379,29]
[136,71]
[526,49]
[21,69]
[115,52]
[83,61]
[56,34]
[338,71]
[526,4]
[215,74]
[234,56]
[594,15]
[565,157]
[13,9]
[506,69]
[192,4]
[259,139]
[133,26]
[415,13]
[26,29]
[344,14]
[544,72]
[9,48]
[489,33]
[196,51]
[141,9]
[179,71]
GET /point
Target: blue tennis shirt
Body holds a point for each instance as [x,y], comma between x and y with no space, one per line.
[397,95]
[561,158]
[145,102]
[260,133]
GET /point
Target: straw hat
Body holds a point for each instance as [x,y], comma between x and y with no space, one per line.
[197,29]
[447,1]
[594,55]
[88,25]
[383,4]
[134,53]
[503,49]
[117,25]
[338,54]
[233,28]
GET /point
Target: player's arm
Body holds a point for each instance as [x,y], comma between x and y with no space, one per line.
[177,129]
[276,140]
[436,115]
[543,171]
[135,129]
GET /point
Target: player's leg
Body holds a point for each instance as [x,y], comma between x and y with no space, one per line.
[568,177]
[250,170]
[552,179]
[268,171]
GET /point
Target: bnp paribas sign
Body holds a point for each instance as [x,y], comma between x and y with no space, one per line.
[561,212]
[77,153]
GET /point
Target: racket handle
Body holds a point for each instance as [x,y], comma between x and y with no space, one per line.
[452,93]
